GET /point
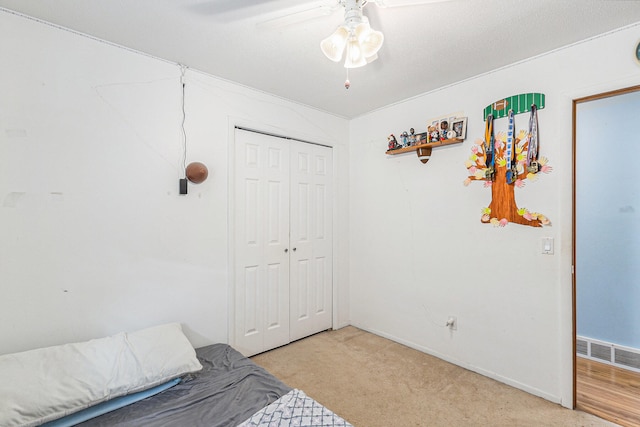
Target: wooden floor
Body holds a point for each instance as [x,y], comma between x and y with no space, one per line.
[609,392]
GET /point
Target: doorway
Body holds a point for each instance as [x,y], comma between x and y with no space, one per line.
[606,242]
[283,263]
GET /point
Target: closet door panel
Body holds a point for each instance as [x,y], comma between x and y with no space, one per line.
[311,269]
[261,238]
[323,239]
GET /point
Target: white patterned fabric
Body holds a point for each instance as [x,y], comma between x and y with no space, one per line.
[295,409]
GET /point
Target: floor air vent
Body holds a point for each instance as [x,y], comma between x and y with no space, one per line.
[612,354]
[627,358]
[582,347]
[602,352]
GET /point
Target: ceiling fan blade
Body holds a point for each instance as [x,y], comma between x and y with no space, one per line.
[299,15]
[401,3]
[219,7]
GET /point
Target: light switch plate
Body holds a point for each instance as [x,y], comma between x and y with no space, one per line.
[546,245]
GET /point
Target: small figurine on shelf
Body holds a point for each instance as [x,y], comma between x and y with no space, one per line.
[393,143]
[412,136]
[444,128]
[434,135]
[404,138]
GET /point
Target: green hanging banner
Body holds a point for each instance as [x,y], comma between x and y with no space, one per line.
[518,103]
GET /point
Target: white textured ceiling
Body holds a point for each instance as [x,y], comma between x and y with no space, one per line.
[426,46]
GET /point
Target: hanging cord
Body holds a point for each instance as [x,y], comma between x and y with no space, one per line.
[184,118]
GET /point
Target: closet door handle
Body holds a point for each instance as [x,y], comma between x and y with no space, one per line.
[294,249]
[286,250]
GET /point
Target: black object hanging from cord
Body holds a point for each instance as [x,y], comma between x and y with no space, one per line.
[195,172]
[183,181]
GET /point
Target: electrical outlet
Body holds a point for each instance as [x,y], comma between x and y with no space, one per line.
[452,323]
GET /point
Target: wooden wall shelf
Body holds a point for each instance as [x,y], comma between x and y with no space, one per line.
[429,144]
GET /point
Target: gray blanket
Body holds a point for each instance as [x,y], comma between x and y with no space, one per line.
[227,391]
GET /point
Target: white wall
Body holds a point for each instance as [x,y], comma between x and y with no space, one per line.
[419,253]
[94,238]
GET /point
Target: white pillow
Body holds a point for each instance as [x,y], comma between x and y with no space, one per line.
[41,385]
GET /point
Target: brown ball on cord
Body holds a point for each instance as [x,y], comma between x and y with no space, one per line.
[197,172]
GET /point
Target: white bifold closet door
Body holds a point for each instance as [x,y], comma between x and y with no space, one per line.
[283,241]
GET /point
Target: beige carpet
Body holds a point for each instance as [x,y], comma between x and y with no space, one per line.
[373,382]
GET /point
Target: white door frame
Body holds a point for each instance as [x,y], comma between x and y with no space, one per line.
[596,96]
[233,123]
[564,105]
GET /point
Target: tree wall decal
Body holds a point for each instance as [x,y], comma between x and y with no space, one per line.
[506,157]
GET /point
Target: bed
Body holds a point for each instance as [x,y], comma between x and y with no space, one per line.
[229,390]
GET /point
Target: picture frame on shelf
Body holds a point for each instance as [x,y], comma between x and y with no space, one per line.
[421,138]
[459,125]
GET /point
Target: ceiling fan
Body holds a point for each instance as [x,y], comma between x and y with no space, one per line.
[354,39]
[354,36]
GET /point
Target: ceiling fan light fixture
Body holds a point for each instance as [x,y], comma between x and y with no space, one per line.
[355,57]
[370,40]
[333,46]
[355,35]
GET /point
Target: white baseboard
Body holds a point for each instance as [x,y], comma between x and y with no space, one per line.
[509,381]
